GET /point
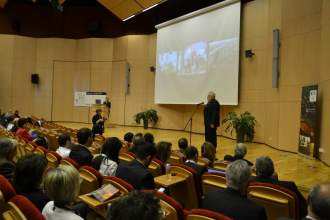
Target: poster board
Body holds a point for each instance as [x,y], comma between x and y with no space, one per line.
[89,98]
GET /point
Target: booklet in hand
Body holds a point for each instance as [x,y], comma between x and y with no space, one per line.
[104,193]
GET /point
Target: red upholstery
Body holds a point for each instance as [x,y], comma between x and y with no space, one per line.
[74,163]
[208,214]
[6,188]
[283,190]
[26,140]
[19,136]
[43,149]
[129,153]
[33,144]
[95,172]
[35,117]
[161,164]
[215,173]
[196,180]
[27,208]
[128,186]
[59,158]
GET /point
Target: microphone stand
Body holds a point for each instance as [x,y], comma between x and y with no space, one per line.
[190,120]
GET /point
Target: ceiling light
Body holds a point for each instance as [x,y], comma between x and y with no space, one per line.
[150,7]
[128,18]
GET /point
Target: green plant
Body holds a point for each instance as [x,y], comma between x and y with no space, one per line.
[146,115]
[245,122]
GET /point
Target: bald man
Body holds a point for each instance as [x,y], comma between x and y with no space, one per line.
[240,152]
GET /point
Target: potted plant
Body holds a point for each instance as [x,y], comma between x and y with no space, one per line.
[243,125]
[147,115]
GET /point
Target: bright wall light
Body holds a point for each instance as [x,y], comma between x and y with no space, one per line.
[150,7]
[128,18]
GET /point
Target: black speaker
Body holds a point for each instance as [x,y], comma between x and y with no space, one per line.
[93,27]
[152,69]
[34,78]
[56,6]
[249,54]
[16,25]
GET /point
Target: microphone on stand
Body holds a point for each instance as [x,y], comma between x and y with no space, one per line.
[200,103]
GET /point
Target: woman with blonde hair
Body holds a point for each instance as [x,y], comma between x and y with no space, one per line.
[62,185]
[208,153]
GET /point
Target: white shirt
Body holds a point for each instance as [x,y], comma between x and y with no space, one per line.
[63,152]
[58,214]
[10,126]
[191,161]
[108,167]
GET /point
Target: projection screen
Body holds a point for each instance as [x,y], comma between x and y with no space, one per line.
[198,53]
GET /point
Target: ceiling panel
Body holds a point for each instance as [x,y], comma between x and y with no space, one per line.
[147,3]
[126,9]
[109,4]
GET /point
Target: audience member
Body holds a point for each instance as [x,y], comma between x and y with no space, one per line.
[318,201]
[28,179]
[265,169]
[17,114]
[15,127]
[164,150]
[230,201]
[240,152]
[137,140]
[10,120]
[96,130]
[128,138]
[3,121]
[62,185]
[107,162]
[10,111]
[22,124]
[8,150]
[192,157]
[183,144]
[148,137]
[208,153]
[137,205]
[135,172]
[41,122]
[65,144]
[98,119]
[80,153]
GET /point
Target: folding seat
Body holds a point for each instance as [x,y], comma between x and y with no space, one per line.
[213,180]
[40,150]
[7,192]
[126,156]
[92,179]
[202,214]
[70,162]
[53,159]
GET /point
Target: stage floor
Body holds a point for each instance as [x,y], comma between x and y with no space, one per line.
[290,167]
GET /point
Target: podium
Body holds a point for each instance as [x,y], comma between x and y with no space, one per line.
[92,112]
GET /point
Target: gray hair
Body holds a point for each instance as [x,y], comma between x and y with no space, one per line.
[238,175]
[240,149]
[320,200]
[212,94]
[264,166]
[8,115]
[42,119]
[7,144]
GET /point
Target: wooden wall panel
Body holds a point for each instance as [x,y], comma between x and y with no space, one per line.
[84,49]
[102,49]
[65,50]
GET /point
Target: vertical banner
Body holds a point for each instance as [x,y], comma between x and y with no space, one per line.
[308,120]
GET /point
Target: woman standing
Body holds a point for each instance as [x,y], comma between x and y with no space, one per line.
[98,119]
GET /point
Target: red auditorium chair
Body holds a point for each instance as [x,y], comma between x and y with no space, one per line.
[92,179]
[53,159]
[213,180]
[156,168]
[70,162]
[277,201]
[30,147]
[100,139]
[202,214]
[7,192]
[126,156]
[40,150]
[124,187]
[221,165]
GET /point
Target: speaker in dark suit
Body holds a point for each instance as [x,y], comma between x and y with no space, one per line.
[211,118]
[80,153]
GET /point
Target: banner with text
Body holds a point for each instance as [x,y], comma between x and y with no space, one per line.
[89,98]
[308,120]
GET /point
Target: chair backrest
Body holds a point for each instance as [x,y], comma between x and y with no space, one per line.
[220,165]
[92,179]
[156,168]
[124,187]
[202,162]
[94,149]
[21,146]
[6,193]
[40,150]
[213,180]
[70,162]
[124,146]
[53,159]
[126,156]
[30,147]
[100,140]
[175,158]
[277,201]
[202,214]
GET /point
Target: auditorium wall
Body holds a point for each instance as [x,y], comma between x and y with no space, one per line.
[67,65]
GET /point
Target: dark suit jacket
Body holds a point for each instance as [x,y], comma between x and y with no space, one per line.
[17,116]
[14,129]
[135,174]
[199,170]
[211,114]
[37,124]
[37,198]
[7,168]
[133,149]
[108,104]
[232,204]
[288,185]
[96,118]
[81,155]
[232,159]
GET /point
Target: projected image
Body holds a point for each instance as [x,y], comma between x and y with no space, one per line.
[221,53]
[192,60]
[167,62]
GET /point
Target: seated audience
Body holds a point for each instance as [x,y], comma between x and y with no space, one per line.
[137,205]
[10,111]
[128,138]
[28,179]
[41,122]
[17,114]
[8,150]
[164,150]
[96,130]
[107,162]
[148,137]
[22,124]
[3,121]
[240,152]
[208,153]
[80,153]
[265,169]
[15,127]
[65,144]
[135,172]
[137,140]
[230,201]
[192,157]
[183,144]
[62,185]
[10,121]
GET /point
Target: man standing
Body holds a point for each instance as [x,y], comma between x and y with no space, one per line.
[211,119]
